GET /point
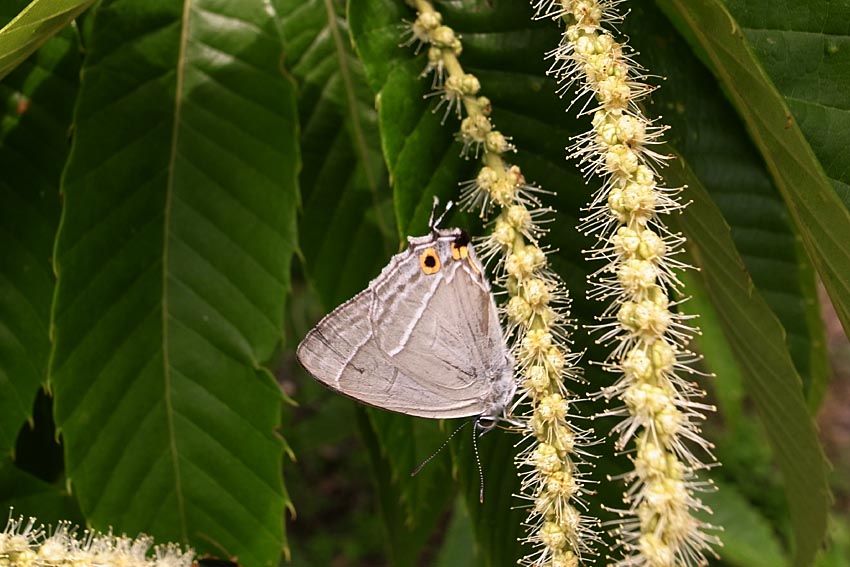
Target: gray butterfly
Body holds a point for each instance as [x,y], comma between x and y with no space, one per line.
[423,339]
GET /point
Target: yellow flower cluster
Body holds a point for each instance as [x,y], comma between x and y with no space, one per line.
[659,410]
[24,544]
[536,312]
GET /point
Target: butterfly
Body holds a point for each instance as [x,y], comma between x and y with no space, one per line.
[423,339]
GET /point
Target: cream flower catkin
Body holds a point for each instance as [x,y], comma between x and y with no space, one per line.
[536,311]
[23,543]
[658,408]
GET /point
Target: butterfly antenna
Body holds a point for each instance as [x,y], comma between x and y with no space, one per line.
[433,224]
[478,462]
[437,452]
[433,212]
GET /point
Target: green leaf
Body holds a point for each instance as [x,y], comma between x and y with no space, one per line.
[838,552]
[173,263]
[712,344]
[819,215]
[748,538]
[412,507]
[458,546]
[497,521]
[347,232]
[29,496]
[421,154]
[804,51]
[37,23]
[38,102]
[756,337]
[741,444]
[713,140]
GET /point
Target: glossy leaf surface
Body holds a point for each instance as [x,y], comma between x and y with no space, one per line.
[38,100]
[173,267]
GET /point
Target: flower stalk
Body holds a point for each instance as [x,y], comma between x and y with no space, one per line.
[659,407]
[536,311]
[23,543]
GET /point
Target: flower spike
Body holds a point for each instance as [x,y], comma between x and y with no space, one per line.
[659,408]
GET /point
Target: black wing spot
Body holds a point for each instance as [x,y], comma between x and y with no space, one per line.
[430,261]
[462,239]
[209,561]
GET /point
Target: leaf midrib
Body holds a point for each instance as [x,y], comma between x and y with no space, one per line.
[354,116]
[169,192]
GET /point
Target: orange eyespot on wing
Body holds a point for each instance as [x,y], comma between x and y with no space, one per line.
[429,261]
[459,252]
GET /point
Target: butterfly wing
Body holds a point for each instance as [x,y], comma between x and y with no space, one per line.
[428,346]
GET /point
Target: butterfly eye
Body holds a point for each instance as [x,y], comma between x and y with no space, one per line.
[429,261]
[459,251]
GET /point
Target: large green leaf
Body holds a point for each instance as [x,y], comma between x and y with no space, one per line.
[458,547]
[36,23]
[421,154]
[803,49]
[819,215]
[740,442]
[38,99]
[173,266]
[705,128]
[496,521]
[347,232]
[756,337]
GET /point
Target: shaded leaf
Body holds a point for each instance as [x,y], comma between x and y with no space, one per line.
[29,496]
[497,521]
[712,138]
[821,219]
[412,507]
[38,101]
[748,538]
[173,266]
[756,338]
[347,231]
[34,25]
[38,450]
[458,547]
[741,444]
